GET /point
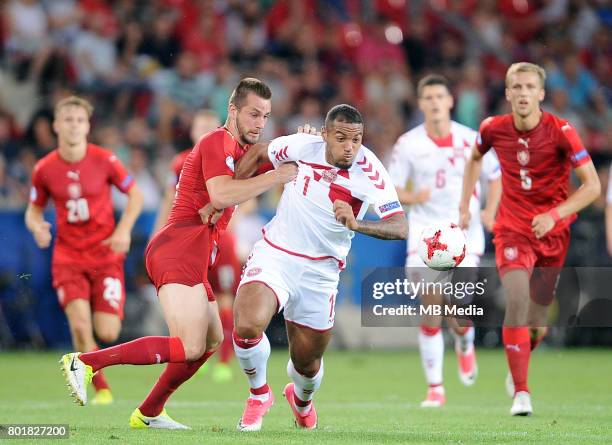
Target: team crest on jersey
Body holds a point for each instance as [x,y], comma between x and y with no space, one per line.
[511,253]
[523,157]
[229,161]
[254,271]
[329,175]
[74,190]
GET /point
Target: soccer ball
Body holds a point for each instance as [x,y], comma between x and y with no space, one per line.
[442,246]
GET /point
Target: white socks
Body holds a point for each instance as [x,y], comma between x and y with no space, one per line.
[304,387]
[431,346]
[254,363]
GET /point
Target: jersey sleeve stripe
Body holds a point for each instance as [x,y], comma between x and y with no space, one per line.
[580,157]
[126,183]
[391,214]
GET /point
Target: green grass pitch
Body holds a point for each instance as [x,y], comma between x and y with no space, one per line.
[366,397]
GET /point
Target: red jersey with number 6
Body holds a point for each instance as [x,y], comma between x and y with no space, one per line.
[82,196]
[535,167]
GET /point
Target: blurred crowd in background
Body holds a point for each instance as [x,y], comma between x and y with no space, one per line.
[147,66]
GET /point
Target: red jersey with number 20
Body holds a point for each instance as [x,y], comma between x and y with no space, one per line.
[82,197]
[535,167]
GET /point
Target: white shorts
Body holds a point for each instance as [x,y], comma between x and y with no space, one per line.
[306,289]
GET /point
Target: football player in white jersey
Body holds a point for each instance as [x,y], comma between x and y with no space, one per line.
[431,158]
[296,266]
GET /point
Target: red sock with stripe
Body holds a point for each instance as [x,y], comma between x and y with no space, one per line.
[518,351]
[142,351]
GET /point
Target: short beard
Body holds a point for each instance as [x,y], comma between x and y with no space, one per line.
[243,135]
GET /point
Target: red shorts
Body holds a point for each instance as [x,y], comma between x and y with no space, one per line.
[180,253]
[102,285]
[224,275]
[542,258]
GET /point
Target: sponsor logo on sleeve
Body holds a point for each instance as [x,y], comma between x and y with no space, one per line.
[389,206]
[580,155]
[229,161]
[33,194]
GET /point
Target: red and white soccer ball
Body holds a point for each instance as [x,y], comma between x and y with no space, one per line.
[442,246]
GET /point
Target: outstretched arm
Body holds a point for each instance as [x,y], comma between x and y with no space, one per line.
[249,163]
[393,227]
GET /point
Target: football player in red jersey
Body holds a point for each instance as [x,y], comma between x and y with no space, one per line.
[178,256]
[87,266]
[225,274]
[536,150]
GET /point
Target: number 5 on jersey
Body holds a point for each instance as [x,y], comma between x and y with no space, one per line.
[525,179]
[78,210]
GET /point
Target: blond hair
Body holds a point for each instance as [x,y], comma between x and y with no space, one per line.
[74,101]
[526,67]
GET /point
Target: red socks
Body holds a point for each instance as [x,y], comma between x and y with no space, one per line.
[99,381]
[226,350]
[173,376]
[517,344]
[265,389]
[142,351]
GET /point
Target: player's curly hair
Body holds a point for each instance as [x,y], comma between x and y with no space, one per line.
[246,86]
[343,113]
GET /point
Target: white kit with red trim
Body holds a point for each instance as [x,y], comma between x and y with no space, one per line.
[304,223]
[420,161]
[304,247]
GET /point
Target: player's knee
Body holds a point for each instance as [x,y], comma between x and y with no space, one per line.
[107,334]
[194,350]
[251,327]
[81,330]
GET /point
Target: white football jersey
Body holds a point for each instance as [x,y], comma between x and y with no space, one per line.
[439,166]
[304,223]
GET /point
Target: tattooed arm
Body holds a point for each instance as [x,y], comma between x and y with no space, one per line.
[394,227]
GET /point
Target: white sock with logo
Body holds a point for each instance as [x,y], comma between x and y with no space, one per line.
[254,362]
[431,346]
[304,387]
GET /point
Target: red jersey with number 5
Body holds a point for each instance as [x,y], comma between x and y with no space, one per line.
[82,196]
[535,167]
